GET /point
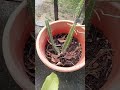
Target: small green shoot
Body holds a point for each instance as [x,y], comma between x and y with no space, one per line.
[79,8]
[69,38]
[51,82]
[78,13]
[51,37]
[70,35]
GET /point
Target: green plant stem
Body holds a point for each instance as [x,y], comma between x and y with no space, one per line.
[79,10]
[51,37]
[69,37]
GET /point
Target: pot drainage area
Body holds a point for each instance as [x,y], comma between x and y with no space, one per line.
[29,57]
[98,59]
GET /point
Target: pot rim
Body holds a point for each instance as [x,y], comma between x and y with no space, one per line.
[52,66]
[7,53]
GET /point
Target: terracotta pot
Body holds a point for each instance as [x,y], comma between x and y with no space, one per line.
[58,27]
[16,33]
[110,26]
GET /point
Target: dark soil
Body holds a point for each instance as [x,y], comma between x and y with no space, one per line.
[98,59]
[29,58]
[67,59]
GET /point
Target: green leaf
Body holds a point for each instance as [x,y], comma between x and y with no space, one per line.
[51,37]
[51,82]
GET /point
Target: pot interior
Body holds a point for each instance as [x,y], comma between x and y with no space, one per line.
[58,28]
[110,27]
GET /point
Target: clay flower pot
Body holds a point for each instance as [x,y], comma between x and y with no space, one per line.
[59,27]
[16,33]
[110,26]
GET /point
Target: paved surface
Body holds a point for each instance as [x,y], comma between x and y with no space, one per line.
[6,81]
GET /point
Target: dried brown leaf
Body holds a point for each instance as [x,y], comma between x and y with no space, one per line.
[59,64]
[62,40]
[55,60]
[72,54]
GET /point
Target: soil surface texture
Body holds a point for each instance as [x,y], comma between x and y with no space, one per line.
[98,59]
[68,58]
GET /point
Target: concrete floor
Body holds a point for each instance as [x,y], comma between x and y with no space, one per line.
[6,81]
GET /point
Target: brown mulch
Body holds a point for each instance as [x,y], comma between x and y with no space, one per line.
[29,57]
[98,59]
[66,59]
